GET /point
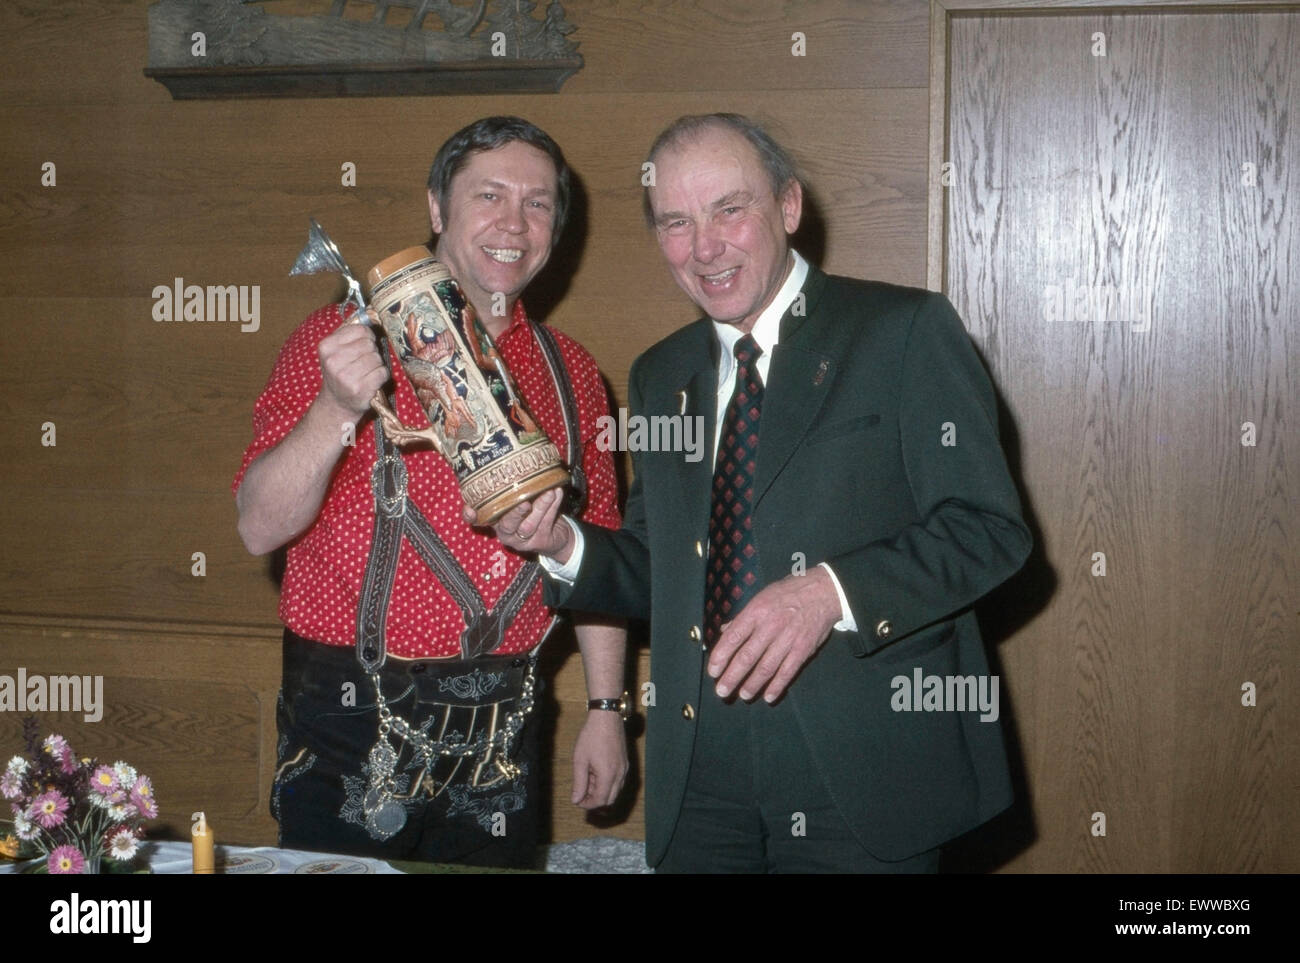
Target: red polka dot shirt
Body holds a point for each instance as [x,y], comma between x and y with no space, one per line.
[327,562]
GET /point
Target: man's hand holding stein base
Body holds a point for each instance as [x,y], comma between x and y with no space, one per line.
[535,526]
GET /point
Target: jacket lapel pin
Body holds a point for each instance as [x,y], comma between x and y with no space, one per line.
[820,376]
[681,399]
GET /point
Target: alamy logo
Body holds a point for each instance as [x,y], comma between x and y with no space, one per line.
[75,915]
[216,302]
[55,693]
[1075,303]
[946,693]
[656,433]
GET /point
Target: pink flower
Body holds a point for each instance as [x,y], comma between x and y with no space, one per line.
[67,860]
[48,809]
[58,747]
[142,798]
[104,781]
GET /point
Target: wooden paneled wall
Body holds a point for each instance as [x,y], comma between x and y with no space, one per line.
[98,532]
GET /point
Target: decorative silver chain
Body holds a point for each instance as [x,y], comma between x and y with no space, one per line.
[384,817]
[426,749]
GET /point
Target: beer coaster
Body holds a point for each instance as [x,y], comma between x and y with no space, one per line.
[247,863]
[333,866]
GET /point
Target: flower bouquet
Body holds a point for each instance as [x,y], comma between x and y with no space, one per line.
[70,815]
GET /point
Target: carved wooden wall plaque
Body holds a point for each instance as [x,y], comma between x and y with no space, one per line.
[244,48]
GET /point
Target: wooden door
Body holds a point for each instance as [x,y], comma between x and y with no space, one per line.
[1122,241]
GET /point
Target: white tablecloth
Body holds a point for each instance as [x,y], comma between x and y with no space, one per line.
[599,854]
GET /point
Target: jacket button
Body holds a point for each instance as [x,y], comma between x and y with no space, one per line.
[695,633]
[883,628]
[699,549]
[688,711]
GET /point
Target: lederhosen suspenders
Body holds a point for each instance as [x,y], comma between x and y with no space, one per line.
[397,516]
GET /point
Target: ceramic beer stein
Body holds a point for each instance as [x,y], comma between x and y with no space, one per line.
[477,419]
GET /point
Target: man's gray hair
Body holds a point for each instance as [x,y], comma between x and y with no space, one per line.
[776,159]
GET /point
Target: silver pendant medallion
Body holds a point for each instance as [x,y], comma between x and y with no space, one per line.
[386,821]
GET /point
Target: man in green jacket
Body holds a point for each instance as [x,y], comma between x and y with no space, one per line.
[821,698]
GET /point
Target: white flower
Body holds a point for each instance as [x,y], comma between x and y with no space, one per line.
[119,812]
[24,827]
[125,774]
[11,785]
[122,844]
[17,765]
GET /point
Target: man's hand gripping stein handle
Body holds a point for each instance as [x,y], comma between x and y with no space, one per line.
[397,432]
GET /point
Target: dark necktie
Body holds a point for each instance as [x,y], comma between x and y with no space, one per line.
[732,574]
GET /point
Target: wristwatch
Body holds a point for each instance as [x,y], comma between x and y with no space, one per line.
[621,705]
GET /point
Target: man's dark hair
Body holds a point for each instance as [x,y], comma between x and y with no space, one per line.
[776,159]
[489,133]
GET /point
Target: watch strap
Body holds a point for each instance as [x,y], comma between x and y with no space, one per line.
[619,705]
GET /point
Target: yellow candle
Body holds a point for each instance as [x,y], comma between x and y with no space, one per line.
[204,842]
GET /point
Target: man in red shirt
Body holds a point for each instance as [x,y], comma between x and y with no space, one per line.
[431,753]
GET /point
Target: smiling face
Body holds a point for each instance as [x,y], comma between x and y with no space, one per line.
[496,230]
[723,233]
